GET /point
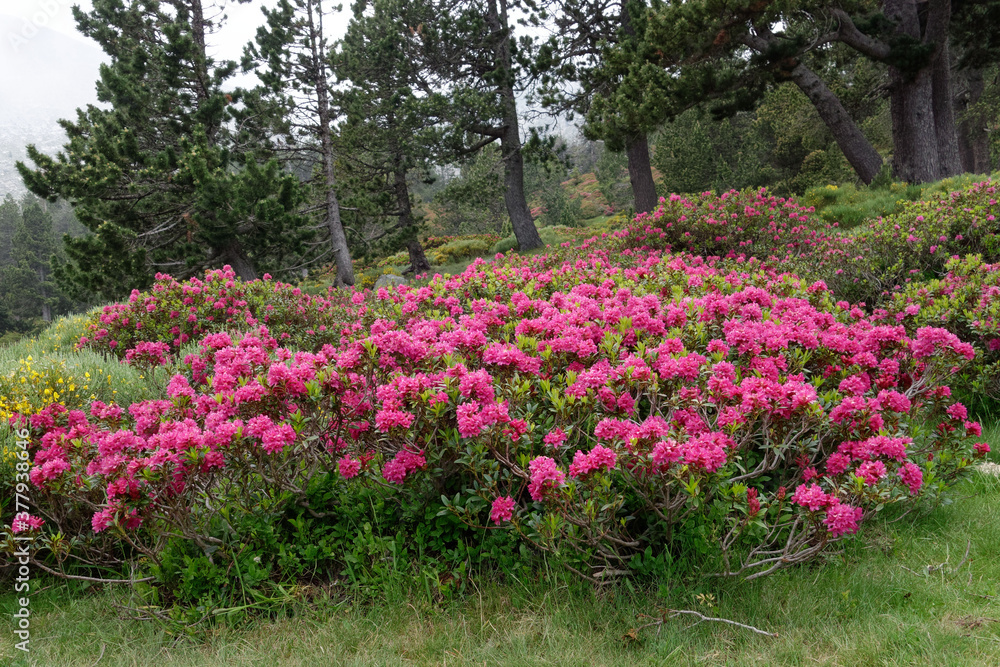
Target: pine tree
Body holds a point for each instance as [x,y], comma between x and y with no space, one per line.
[568,66]
[291,55]
[28,293]
[728,53]
[390,130]
[470,53]
[155,174]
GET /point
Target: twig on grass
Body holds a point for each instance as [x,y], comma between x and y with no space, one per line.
[96,580]
[674,613]
[101,656]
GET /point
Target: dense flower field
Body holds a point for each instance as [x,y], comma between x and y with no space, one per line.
[613,405]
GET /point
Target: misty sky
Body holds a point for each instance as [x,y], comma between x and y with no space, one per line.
[20,21]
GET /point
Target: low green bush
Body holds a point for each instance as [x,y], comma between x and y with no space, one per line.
[873,261]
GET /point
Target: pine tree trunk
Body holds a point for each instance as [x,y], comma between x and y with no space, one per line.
[915,146]
[973,141]
[510,140]
[949,160]
[640,174]
[418,260]
[338,239]
[859,152]
[236,257]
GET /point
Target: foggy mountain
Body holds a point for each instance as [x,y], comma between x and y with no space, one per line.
[44,76]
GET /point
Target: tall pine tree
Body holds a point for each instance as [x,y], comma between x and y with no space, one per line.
[291,54]
[154,174]
[568,67]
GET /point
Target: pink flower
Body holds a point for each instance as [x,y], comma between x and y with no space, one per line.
[841,519]
[981,448]
[277,437]
[403,464]
[385,420]
[837,463]
[812,497]
[753,504]
[503,509]
[555,437]
[348,467]
[957,411]
[599,458]
[871,472]
[912,477]
[24,522]
[545,476]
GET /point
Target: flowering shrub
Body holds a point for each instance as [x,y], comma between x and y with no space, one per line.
[888,253]
[749,223]
[965,301]
[595,406]
[173,313]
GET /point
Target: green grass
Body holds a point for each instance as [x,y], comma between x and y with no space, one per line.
[903,593]
[850,206]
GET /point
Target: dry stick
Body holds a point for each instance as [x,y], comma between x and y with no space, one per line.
[94,579]
[673,613]
[101,656]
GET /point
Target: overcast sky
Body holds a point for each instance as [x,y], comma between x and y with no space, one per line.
[24,17]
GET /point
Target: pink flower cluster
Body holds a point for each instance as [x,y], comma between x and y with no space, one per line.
[840,518]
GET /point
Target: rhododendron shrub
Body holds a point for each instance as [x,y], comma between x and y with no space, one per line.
[158,322]
[966,301]
[596,404]
[749,223]
[882,257]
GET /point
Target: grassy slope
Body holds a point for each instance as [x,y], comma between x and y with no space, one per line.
[902,594]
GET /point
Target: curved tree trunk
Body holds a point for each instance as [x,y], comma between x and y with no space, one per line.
[859,152]
[640,175]
[418,260]
[510,139]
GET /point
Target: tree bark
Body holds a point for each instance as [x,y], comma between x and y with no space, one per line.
[418,260]
[338,239]
[915,146]
[510,139]
[236,257]
[640,175]
[859,152]
[917,135]
[949,160]
[640,172]
[973,141]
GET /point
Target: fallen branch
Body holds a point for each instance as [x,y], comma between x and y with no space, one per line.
[674,613]
[63,575]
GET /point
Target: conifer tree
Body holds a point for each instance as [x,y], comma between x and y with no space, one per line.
[389,133]
[470,53]
[154,173]
[728,53]
[568,66]
[292,57]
